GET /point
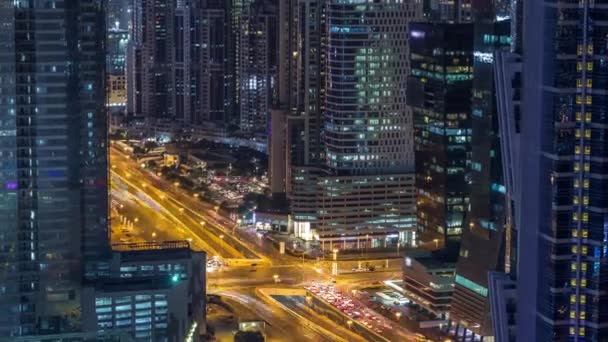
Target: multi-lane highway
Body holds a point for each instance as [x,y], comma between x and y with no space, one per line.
[147,208]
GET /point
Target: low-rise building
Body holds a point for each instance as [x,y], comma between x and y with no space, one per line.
[428,279]
[151,291]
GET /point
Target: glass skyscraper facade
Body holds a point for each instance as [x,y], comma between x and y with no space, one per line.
[439,94]
[368,192]
[482,246]
[53,162]
[563,231]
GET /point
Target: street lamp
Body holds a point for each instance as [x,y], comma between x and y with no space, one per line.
[398,315]
[336,254]
[436,241]
[349,323]
[276,278]
[154,234]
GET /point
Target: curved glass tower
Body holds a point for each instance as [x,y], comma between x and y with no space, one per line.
[367,131]
[365,197]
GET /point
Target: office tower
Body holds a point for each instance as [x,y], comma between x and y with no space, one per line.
[215,88]
[439,94]
[350,143]
[165,61]
[53,197]
[257,63]
[561,274]
[366,196]
[482,247]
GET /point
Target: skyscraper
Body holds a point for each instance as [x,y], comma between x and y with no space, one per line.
[257,63]
[166,61]
[563,226]
[366,196]
[215,90]
[439,94]
[350,141]
[53,173]
[482,244]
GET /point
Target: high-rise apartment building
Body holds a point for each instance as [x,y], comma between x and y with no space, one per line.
[562,172]
[439,95]
[453,11]
[53,172]
[177,61]
[257,63]
[215,88]
[305,149]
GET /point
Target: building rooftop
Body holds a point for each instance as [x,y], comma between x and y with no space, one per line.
[151,251]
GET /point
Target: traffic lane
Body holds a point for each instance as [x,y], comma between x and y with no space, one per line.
[219,224]
[177,213]
[152,225]
[286,275]
[282,326]
[298,305]
[191,229]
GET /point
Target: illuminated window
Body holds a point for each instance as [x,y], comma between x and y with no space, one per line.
[585,183]
[577,166]
[579,49]
[572,299]
[587,117]
[589,100]
[589,66]
[590,49]
[577,150]
[574,249]
[579,83]
[581,331]
[576,183]
[585,200]
[573,266]
[573,282]
[579,66]
[575,200]
[584,250]
[585,233]
[582,315]
[574,233]
[574,217]
[577,133]
[589,83]
[583,299]
[572,330]
[585,217]
[579,116]
[584,266]
[587,150]
[579,99]
[572,314]
[586,167]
